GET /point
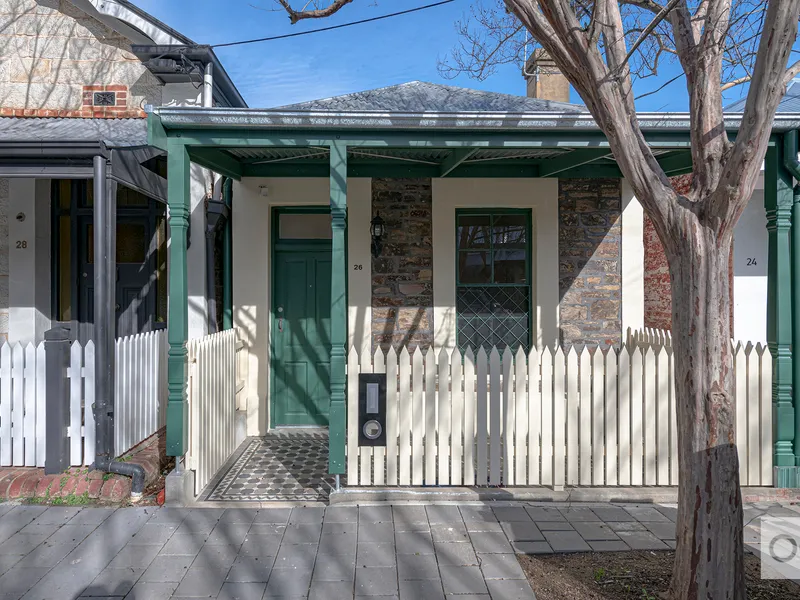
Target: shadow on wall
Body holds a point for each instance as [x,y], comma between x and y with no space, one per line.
[590,258]
[52,49]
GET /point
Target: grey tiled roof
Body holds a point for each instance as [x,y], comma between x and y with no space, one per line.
[419,96]
[789,104]
[115,133]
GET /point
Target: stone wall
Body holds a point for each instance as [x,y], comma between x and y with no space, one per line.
[3,259]
[590,231]
[402,276]
[51,53]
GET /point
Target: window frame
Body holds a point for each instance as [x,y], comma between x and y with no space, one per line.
[491,213]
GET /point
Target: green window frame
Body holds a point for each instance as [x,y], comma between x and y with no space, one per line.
[493,278]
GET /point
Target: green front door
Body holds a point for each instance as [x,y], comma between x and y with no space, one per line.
[301,316]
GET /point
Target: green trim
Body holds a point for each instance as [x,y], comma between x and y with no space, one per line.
[491,212]
[178,187]
[572,160]
[227,257]
[217,161]
[778,200]
[156,134]
[338,408]
[456,158]
[676,163]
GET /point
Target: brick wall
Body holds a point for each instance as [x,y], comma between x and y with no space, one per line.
[402,276]
[50,51]
[590,259]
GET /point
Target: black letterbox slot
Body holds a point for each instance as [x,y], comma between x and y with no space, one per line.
[372,409]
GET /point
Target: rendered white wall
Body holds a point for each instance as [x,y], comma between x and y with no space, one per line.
[22,260]
[750,246]
[538,195]
[632,261]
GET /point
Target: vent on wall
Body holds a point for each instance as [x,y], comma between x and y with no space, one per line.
[104,99]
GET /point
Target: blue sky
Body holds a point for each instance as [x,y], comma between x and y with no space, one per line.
[357,58]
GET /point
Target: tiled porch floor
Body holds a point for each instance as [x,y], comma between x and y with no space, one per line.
[280,466]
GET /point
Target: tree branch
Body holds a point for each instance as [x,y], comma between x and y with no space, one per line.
[316,13]
[650,28]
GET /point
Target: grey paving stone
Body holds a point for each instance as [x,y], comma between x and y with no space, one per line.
[595,532]
[372,554]
[302,533]
[523,531]
[574,515]
[113,582]
[57,515]
[609,546]
[242,590]
[334,567]
[167,569]
[642,540]
[134,557]
[417,566]
[612,513]
[376,581]
[42,529]
[260,545]
[490,542]
[645,513]
[4,508]
[672,512]
[452,532]
[46,555]
[485,526]
[510,589]
[443,514]
[544,513]
[455,554]
[196,528]
[407,515]
[250,569]
[414,542]
[201,581]
[331,590]
[566,541]
[200,520]
[21,580]
[168,514]
[626,526]
[239,515]
[531,547]
[329,528]
[375,532]
[307,514]
[500,566]
[91,516]
[663,531]
[511,514]
[153,533]
[267,529]
[216,557]
[151,591]
[71,534]
[299,556]
[338,544]
[292,583]
[228,533]
[8,560]
[554,525]
[375,514]
[21,543]
[421,589]
[273,515]
[671,544]
[341,514]
[463,580]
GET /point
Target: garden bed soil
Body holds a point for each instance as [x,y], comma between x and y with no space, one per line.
[642,575]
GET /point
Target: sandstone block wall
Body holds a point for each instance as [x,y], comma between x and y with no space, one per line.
[590,259]
[402,276]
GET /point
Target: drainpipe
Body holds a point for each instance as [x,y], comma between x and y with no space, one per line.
[216,217]
[105,244]
[227,257]
[792,164]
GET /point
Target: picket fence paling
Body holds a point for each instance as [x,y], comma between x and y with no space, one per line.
[553,417]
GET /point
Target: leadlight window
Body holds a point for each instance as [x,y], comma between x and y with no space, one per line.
[493,270]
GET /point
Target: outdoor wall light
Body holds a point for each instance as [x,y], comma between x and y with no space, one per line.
[377,229]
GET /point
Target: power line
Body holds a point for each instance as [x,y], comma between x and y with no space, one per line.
[332,27]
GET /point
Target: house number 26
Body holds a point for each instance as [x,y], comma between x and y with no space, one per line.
[22,243]
[358,267]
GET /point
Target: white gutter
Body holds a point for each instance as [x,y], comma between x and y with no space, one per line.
[126,22]
[236,118]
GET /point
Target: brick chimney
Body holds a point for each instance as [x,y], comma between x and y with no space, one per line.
[544,78]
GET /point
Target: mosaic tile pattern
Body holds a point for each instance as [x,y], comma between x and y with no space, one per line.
[281,466]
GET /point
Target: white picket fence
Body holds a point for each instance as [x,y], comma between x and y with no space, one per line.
[212,404]
[140,401]
[650,336]
[550,418]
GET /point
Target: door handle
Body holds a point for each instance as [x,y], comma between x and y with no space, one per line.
[280,319]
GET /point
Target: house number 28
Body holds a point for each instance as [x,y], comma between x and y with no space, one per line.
[22,243]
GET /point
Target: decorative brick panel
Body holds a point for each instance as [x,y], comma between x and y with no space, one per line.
[402,276]
[590,234]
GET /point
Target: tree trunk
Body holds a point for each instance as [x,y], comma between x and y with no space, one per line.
[709,554]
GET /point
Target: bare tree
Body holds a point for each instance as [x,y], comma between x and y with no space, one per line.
[600,46]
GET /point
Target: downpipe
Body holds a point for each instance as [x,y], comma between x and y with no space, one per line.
[132,470]
[792,164]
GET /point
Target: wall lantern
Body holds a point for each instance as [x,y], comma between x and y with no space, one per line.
[377,229]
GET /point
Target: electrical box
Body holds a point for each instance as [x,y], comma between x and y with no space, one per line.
[372,409]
